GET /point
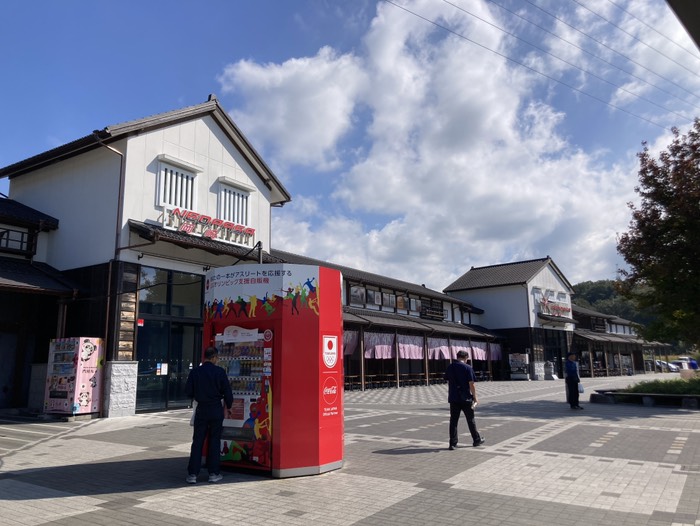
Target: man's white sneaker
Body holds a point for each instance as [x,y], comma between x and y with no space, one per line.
[191,479]
[215,477]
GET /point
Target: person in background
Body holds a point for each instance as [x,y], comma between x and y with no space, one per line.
[462,398]
[572,380]
[208,385]
[693,364]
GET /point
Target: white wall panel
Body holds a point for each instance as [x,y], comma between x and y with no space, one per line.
[82,193]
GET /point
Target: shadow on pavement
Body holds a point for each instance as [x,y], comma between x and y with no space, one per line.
[408,450]
[554,410]
[113,477]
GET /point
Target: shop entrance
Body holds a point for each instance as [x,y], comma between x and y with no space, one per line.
[166,352]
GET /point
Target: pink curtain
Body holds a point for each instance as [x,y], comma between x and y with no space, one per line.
[379,345]
[438,349]
[479,351]
[351,339]
[410,346]
[459,345]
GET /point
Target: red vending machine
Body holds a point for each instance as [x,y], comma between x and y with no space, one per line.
[279,332]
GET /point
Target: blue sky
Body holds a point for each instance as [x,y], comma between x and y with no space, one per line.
[418,138]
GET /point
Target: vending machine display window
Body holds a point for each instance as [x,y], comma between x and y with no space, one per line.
[247,359]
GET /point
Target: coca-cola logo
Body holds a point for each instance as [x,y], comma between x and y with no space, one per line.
[330,391]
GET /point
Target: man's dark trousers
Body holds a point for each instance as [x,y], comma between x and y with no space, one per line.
[456,409]
[208,419]
[572,392]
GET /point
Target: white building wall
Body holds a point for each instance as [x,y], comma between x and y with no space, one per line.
[201,143]
[504,307]
[82,193]
[545,280]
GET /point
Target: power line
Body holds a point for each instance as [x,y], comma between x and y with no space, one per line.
[567,62]
[574,88]
[631,74]
[634,37]
[608,47]
[655,30]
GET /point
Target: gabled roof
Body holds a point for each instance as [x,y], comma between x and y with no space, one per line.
[15,213]
[119,131]
[368,278]
[505,274]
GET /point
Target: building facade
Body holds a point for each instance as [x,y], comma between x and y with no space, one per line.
[609,346]
[529,304]
[33,300]
[110,236]
[145,208]
[400,334]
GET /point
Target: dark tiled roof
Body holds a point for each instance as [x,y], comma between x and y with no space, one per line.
[629,339]
[582,311]
[519,272]
[367,278]
[21,275]
[118,131]
[15,213]
[158,233]
[385,320]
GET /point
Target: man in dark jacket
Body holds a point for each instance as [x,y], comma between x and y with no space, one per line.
[572,380]
[462,398]
[207,384]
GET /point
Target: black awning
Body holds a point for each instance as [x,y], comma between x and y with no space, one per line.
[555,319]
[156,233]
[391,321]
[21,275]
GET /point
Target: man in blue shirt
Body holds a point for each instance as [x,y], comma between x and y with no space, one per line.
[572,380]
[207,384]
[462,398]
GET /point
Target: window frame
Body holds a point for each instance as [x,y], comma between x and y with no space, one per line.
[182,169]
[226,184]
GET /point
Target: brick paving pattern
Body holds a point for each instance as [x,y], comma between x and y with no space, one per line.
[542,464]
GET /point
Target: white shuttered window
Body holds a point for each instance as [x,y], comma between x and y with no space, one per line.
[176,187]
[233,204]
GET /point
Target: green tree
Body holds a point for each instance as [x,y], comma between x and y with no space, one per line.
[662,246]
[603,296]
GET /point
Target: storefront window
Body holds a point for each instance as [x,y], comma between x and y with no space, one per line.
[153,291]
[169,293]
[187,295]
[357,296]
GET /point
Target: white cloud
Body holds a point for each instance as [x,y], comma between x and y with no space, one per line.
[462,159]
[300,109]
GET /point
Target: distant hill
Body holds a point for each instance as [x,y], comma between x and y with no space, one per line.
[601,296]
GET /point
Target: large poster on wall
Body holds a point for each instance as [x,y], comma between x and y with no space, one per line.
[252,291]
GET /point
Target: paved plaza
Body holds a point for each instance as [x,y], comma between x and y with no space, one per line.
[542,464]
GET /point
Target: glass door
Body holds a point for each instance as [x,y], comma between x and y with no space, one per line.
[166,353]
[185,353]
[152,354]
